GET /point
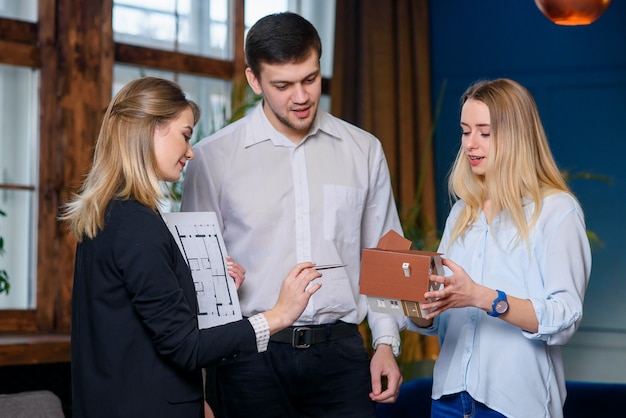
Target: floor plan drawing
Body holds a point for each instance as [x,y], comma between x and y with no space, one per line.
[201,243]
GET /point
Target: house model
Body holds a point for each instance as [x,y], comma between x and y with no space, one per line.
[395,278]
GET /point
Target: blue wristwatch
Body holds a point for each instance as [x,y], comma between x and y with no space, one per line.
[500,304]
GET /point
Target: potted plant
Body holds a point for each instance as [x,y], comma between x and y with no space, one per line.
[4,276]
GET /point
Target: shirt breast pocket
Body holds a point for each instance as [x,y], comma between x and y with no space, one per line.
[343,212]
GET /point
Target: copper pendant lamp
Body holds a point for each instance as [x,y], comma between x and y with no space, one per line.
[572,12]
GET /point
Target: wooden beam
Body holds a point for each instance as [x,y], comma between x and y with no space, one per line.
[18,31]
[239,57]
[48,256]
[14,53]
[18,321]
[76,63]
[21,349]
[174,61]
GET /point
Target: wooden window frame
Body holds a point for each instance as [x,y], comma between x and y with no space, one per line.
[76,69]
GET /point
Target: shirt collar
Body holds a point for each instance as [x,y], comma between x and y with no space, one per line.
[260,128]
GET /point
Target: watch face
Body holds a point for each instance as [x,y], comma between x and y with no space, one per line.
[502,306]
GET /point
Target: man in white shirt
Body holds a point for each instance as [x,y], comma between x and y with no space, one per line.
[290,182]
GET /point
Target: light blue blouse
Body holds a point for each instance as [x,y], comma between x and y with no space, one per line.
[517,373]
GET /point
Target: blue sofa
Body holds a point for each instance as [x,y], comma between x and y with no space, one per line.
[584,400]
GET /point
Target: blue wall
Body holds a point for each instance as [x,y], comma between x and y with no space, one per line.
[578,78]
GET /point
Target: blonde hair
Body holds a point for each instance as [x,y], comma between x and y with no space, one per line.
[520,164]
[124,164]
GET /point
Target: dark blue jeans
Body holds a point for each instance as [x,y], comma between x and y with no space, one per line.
[461,405]
[325,380]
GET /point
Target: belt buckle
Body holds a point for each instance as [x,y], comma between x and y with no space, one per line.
[299,334]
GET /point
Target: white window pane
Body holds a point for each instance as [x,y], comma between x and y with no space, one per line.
[325,102]
[256,9]
[19,108]
[219,11]
[193,26]
[321,13]
[18,259]
[219,36]
[21,10]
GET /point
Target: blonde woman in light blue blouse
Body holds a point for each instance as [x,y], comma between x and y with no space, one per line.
[517,265]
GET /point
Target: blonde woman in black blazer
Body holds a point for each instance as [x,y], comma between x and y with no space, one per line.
[136,347]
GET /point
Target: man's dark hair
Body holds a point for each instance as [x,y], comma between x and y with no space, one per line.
[281,38]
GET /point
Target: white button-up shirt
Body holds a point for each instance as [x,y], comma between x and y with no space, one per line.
[279,203]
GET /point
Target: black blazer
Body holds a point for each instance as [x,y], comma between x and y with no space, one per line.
[136,347]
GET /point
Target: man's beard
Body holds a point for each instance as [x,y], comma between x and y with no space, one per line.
[293,126]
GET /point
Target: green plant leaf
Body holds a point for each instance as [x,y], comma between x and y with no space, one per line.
[4,282]
[4,276]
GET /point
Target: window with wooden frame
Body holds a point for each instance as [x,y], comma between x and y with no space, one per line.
[60,62]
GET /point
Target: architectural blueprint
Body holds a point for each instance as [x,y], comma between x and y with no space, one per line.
[200,240]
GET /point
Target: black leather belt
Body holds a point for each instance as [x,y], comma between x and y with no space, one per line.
[305,336]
